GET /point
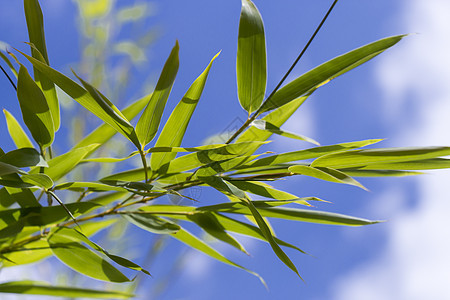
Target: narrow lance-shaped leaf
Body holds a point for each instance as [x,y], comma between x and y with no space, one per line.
[111,110]
[328,71]
[327,174]
[35,111]
[251,58]
[81,259]
[35,24]
[175,127]
[3,47]
[264,125]
[28,287]
[148,124]
[103,109]
[232,191]
[24,157]
[277,117]
[16,132]
[357,158]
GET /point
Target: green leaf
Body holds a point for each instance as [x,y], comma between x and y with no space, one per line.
[192,241]
[265,190]
[6,169]
[175,127]
[112,111]
[327,174]
[35,111]
[210,224]
[63,164]
[16,132]
[148,124]
[233,192]
[194,160]
[421,164]
[105,132]
[82,260]
[361,158]
[29,287]
[278,117]
[100,107]
[307,153]
[4,47]
[151,223]
[328,71]
[35,24]
[378,173]
[264,125]
[223,166]
[294,214]
[251,58]
[77,236]
[89,186]
[24,157]
[40,180]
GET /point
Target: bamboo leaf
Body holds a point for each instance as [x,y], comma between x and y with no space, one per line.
[6,169]
[98,106]
[210,224]
[278,117]
[378,173]
[421,164]
[148,124]
[35,111]
[151,223]
[111,110]
[328,71]
[175,127]
[4,47]
[35,24]
[192,241]
[82,260]
[16,132]
[63,164]
[307,153]
[89,186]
[40,180]
[361,158]
[264,125]
[80,237]
[251,58]
[24,157]
[105,132]
[327,174]
[29,287]
[232,191]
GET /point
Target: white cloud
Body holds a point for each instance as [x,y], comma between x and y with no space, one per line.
[415,263]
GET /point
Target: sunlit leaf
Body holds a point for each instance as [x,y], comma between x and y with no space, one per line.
[35,110]
[251,58]
[103,109]
[327,174]
[328,71]
[35,24]
[361,158]
[24,157]
[264,125]
[151,223]
[82,260]
[148,124]
[16,132]
[28,287]
[173,132]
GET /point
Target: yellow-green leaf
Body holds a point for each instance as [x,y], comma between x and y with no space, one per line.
[148,124]
[35,110]
[175,127]
[16,132]
[251,58]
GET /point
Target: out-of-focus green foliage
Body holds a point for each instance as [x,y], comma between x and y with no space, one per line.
[235,168]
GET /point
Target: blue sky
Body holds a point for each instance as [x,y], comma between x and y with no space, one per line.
[402,95]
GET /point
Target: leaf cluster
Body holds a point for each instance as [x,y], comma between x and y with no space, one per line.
[31,230]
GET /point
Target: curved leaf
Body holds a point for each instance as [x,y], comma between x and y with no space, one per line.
[251,58]
[148,124]
[16,132]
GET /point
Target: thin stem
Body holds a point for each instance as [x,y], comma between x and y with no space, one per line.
[253,117]
[10,80]
[144,163]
